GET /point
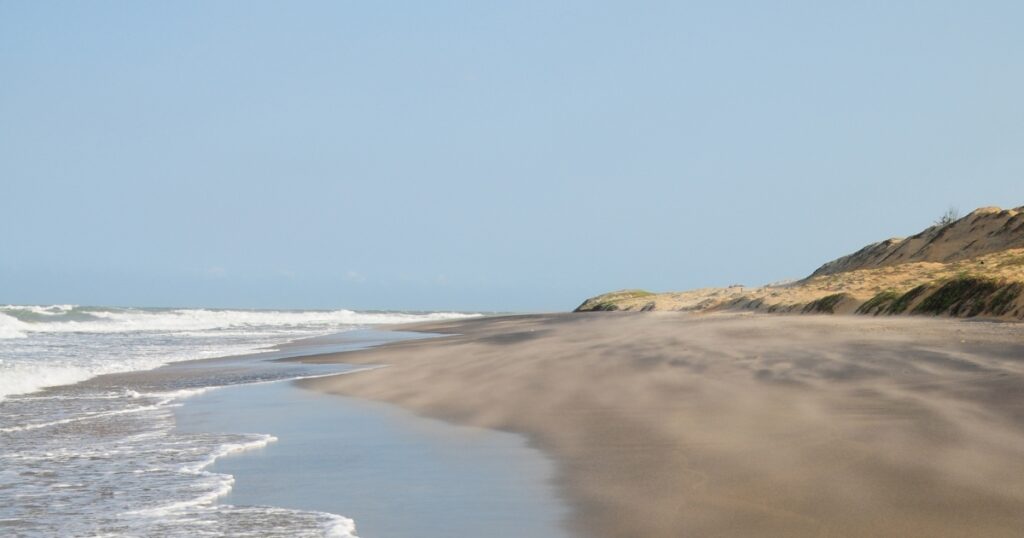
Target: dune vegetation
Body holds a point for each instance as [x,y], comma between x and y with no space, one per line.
[962,267]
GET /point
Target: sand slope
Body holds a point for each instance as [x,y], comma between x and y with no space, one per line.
[971,267]
[983,231]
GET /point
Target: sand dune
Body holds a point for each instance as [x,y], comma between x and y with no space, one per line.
[971,267]
[983,231]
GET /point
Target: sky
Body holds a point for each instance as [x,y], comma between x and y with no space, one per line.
[514,156]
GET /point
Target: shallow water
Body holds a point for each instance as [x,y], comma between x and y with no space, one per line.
[102,457]
[395,474]
[228,446]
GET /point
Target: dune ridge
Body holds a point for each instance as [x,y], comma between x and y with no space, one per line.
[968,267]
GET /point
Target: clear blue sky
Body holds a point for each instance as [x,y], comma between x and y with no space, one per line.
[482,155]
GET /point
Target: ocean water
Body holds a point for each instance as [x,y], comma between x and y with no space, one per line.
[43,346]
[88,454]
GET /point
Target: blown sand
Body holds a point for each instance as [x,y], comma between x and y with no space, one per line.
[669,424]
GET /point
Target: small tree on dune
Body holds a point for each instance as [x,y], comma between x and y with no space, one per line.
[950,216]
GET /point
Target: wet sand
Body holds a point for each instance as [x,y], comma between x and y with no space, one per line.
[669,425]
[393,473]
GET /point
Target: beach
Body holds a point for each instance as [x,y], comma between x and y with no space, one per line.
[511,270]
[668,424]
[594,425]
[391,472]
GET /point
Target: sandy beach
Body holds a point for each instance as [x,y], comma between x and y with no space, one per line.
[668,424]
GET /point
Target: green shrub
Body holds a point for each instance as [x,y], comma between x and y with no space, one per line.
[900,305]
[826,304]
[1001,303]
[964,295]
[877,304]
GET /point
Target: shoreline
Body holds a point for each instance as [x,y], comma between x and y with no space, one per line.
[669,424]
[383,470]
[361,466]
[136,474]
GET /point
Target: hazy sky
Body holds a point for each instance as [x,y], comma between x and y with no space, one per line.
[482,155]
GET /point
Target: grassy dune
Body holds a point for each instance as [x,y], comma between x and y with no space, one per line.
[970,267]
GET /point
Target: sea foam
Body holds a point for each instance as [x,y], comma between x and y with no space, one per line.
[43,346]
[108,454]
[17,321]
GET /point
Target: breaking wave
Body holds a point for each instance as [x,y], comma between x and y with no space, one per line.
[18,321]
[45,346]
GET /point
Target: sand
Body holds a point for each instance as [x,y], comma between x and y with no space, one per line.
[402,475]
[667,424]
[987,244]
[861,285]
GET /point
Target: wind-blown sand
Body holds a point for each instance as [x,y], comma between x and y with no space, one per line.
[670,424]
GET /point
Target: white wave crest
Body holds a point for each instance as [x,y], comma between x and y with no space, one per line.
[258,440]
[45,346]
[87,416]
[42,310]
[26,377]
[223,482]
[339,527]
[115,320]
[11,327]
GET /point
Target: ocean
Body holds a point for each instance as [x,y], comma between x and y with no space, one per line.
[86,453]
